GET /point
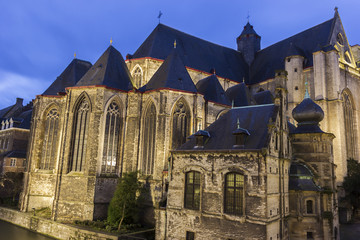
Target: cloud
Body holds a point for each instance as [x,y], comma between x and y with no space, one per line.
[13,85]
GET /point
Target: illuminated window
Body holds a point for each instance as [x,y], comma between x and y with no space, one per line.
[50,139]
[149,131]
[12,162]
[192,190]
[234,193]
[190,235]
[111,139]
[79,136]
[181,124]
[350,129]
[137,76]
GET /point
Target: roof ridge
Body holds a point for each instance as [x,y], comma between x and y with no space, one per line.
[308,29]
[216,44]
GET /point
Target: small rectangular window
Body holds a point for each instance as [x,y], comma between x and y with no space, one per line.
[12,162]
[190,235]
[192,190]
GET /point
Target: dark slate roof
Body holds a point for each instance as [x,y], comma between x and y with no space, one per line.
[109,70]
[263,97]
[172,74]
[196,53]
[291,127]
[25,119]
[305,43]
[239,95]
[212,90]
[248,29]
[301,178]
[16,154]
[4,111]
[69,77]
[254,119]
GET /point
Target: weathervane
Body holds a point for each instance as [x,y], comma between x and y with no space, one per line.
[159,16]
[248,16]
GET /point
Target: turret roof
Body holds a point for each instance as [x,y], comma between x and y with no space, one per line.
[212,90]
[109,70]
[69,77]
[172,74]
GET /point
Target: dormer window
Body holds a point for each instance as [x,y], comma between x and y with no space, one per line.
[201,137]
[241,135]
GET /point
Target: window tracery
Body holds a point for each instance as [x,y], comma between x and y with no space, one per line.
[349,126]
[111,139]
[180,124]
[137,75]
[148,143]
[79,137]
[48,155]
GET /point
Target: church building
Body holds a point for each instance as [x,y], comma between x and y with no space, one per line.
[227,140]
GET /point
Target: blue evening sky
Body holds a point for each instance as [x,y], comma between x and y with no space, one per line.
[38,38]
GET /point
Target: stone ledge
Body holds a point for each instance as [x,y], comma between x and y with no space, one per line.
[50,228]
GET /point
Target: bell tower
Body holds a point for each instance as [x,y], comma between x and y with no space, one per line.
[248,43]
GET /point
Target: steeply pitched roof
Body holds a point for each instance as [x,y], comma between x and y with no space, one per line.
[69,77]
[263,97]
[305,43]
[172,74]
[239,95]
[248,29]
[109,70]
[212,90]
[254,119]
[196,53]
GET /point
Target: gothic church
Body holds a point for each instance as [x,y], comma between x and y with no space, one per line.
[227,140]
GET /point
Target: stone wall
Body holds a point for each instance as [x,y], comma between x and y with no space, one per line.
[51,228]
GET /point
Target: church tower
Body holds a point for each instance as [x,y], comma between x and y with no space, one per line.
[248,43]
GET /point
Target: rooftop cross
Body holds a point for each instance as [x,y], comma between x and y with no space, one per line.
[159,16]
[111,41]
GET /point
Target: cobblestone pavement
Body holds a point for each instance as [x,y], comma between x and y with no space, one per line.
[350,231]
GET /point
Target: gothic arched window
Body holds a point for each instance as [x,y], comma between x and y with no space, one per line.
[111,139]
[79,136]
[349,126]
[48,155]
[180,124]
[148,143]
[137,75]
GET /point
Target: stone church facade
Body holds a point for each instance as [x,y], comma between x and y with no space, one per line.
[98,121]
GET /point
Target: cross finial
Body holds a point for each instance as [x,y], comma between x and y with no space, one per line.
[238,123]
[175,43]
[159,16]
[74,55]
[111,41]
[248,16]
[243,79]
